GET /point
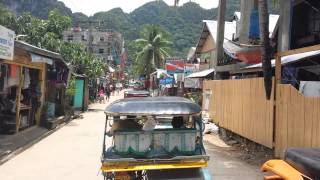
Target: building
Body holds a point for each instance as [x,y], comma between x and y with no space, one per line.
[244,48]
[30,78]
[290,117]
[105,44]
[206,46]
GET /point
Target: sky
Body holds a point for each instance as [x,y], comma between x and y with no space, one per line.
[89,7]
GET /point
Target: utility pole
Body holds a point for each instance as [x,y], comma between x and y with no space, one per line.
[284,36]
[219,52]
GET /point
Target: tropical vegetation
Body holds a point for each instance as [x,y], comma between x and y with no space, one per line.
[48,34]
[152,49]
[184,23]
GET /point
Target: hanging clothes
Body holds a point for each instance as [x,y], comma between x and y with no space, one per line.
[289,76]
[2,76]
[5,77]
[27,79]
[14,76]
[13,70]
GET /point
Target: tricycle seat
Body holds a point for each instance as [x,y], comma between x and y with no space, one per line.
[157,142]
[305,160]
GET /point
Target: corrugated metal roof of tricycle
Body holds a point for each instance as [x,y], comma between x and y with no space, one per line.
[165,105]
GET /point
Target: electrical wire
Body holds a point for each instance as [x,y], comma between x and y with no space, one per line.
[309,4]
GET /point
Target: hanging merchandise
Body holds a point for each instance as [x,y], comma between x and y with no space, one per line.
[289,76]
[13,70]
[14,75]
[26,83]
[3,74]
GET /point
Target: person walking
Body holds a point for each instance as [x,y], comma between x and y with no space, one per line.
[111,89]
[107,92]
[102,96]
[118,88]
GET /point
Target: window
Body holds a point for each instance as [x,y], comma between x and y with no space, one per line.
[101,39]
[101,51]
[70,38]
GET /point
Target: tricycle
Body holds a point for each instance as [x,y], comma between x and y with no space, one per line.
[134,93]
[154,138]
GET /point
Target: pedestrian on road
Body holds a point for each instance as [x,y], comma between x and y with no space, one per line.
[111,89]
[107,91]
[101,96]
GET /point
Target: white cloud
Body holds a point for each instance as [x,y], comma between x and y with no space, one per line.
[89,7]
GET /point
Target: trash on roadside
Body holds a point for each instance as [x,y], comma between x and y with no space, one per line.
[211,128]
[205,117]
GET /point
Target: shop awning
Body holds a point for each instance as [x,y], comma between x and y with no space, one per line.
[201,74]
[284,61]
[289,59]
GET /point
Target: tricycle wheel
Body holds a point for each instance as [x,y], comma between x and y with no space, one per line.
[108,176]
[141,175]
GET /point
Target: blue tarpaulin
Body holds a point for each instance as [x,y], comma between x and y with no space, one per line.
[167,80]
[254,25]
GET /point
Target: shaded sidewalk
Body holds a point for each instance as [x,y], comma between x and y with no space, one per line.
[16,143]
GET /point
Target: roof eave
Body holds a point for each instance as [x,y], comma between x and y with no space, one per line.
[39,51]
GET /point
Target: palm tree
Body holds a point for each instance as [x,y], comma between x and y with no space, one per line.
[266,48]
[153,49]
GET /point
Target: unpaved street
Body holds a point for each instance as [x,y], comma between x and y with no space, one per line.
[73,153]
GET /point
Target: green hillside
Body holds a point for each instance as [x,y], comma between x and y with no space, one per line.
[38,8]
[184,23]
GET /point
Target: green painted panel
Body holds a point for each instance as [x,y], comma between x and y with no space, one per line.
[78,97]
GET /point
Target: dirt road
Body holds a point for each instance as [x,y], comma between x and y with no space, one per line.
[73,153]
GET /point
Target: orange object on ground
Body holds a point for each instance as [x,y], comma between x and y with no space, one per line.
[282,170]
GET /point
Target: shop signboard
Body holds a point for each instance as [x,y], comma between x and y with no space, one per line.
[191,68]
[175,66]
[192,83]
[167,80]
[6,43]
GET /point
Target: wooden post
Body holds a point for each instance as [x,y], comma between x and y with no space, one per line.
[278,69]
[276,98]
[220,33]
[18,98]
[284,33]
[42,80]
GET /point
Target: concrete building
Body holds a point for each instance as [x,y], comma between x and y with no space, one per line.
[107,45]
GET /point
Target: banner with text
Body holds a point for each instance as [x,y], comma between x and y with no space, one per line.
[6,43]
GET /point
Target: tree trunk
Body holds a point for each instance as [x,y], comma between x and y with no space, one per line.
[176,2]
[265,49]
